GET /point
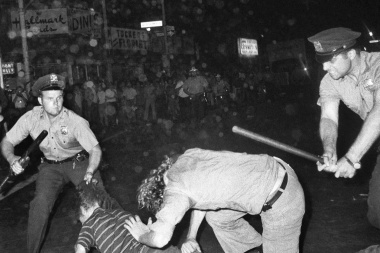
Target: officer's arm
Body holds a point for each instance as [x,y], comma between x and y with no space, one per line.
[369,132]
[7,149]
[328,125]
[94,159]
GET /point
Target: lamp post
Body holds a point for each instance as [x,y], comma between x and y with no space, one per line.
[24,42]
[166,58]
[106,44]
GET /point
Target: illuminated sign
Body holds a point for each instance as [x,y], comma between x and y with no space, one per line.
[8,68]
[247,47]
[151,24]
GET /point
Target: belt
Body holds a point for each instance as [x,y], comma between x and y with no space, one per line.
[268,205]
[81,156]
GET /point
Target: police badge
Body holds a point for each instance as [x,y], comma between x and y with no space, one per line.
[64,130]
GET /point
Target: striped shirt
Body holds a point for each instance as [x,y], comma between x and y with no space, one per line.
[105,231]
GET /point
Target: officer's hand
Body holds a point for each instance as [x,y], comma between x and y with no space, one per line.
[344,169]
[16,166]
[329,162]
[190,246]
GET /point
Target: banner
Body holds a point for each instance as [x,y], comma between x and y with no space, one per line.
[42,22]
[85,22]
[287,50]
[128,39]
[247,47]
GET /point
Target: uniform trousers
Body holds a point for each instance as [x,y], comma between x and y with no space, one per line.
[50,181]
[374,196]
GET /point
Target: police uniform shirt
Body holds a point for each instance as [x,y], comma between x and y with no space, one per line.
[195,85]
[67,135]
[358,95]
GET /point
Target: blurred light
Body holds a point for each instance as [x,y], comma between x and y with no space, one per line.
[305,69]
[374,41]
[370,33]
[148,29]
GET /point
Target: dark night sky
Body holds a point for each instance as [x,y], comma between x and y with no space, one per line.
[216,21]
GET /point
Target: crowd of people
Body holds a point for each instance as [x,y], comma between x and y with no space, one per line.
[180,96]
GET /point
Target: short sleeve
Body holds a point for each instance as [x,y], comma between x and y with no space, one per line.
[86,238]
[84,135]
[21,129]
[327,91]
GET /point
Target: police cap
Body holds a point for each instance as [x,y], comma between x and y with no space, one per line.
[49,82]
[331,42]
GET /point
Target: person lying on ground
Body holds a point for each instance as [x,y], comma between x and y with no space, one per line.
[103,227]
[223,186]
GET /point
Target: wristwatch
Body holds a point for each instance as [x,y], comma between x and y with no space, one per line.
[356,165]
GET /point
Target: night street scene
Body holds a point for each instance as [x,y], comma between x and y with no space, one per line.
[168,126]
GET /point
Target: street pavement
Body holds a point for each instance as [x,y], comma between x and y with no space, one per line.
[335,219]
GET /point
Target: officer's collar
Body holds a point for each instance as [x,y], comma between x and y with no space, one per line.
[61,115]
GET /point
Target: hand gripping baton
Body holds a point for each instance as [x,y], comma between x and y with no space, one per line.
[24,159]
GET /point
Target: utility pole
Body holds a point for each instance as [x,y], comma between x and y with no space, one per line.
[24,43]
[166,55]
[106,44]
[1,73]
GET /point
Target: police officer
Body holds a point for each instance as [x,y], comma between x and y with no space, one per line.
[71,152]
[353,77]
[195,86]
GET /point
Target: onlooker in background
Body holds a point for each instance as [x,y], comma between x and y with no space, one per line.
[150,100]
[91,101]
[102,105]
[111,107]
[21,96]
[78,99]
[221,91]
[140,100]
[161,102]
[129,93]
[195,86]
[183,101]
[173,106]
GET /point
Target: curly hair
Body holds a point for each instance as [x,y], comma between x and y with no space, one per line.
[90,194]
[150,192]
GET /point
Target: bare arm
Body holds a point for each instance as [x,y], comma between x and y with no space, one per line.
[156,235]
[196,219]
[7,149]
[94,161]
[191,244]
[369,132]
[328,130]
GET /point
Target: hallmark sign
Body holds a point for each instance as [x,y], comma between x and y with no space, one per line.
[42,22]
